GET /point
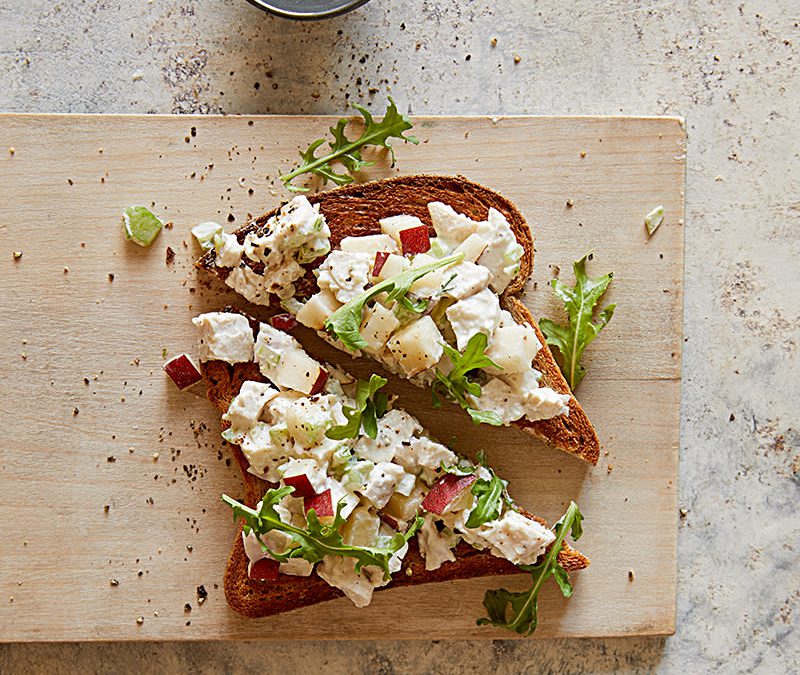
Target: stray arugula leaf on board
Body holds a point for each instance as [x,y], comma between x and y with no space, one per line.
[348,152]
[345,322]
[519,612]
[371,405]
[319,540]
[580,302]
[456,385]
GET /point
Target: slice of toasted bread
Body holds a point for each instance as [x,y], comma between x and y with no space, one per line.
[355,210]
[255,598]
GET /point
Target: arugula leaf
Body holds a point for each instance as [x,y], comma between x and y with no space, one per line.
[489,500]
[580,303]
[348,152]
[345,322]
[319,540]
[519,612]
[370,406]
[456,384]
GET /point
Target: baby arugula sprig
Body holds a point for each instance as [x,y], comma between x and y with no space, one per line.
[345,322]
[520,611]
[456,384]
[318,540]
[348,152]
[371,405]
[581,329]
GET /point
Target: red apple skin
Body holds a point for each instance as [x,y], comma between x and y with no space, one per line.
[182,371]
[320,383]
[284,322]
[265,569]
[380,259]
[415,240]
[445,490]
[321,503]
[301,484]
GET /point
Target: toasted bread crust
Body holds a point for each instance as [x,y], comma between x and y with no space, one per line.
[254,598]
[355,210]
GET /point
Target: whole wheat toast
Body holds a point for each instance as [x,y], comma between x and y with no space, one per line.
[254,598]
[355,210]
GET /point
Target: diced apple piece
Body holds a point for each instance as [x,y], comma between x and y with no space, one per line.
[394,264]
[446,490]
[302,486]
[512,347]
[264,569]
[285,322]
[322,505]
[394,224]
[317,309]
[361,528]
[379,324]
[472,247]
[380,259]
[371,243]
[298,371]
[319,383]
[415,240]
[182,371]
[418,346]
[405,508]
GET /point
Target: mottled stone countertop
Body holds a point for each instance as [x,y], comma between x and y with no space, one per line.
[730,68]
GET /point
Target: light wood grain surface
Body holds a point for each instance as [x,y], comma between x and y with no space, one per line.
[129,441]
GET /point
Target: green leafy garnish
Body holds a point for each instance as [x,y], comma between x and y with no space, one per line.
[456,384]
[319,540]
[141,225]
[348,152]
[345,322]
[490,496]
[580,303]
[370,406]
[519,612]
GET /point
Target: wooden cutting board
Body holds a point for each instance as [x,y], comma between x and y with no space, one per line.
[107,472]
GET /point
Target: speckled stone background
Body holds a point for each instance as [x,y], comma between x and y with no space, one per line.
[731,68]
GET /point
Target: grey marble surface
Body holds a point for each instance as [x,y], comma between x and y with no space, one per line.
[731,68]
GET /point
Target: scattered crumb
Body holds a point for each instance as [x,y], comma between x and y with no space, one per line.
[69,180]
[170,255]
[583,154]
[111,459]
[630,575]
[137,76]
[17,255]
[570,203]
[11,151]
[202,594]
[106,508]
[140,620]
[517,58]
[155,456]
[493,42]
[684,513]
[75,411]
[609,468]
[111,276]
[113,582]
[66,269]
[187,607]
